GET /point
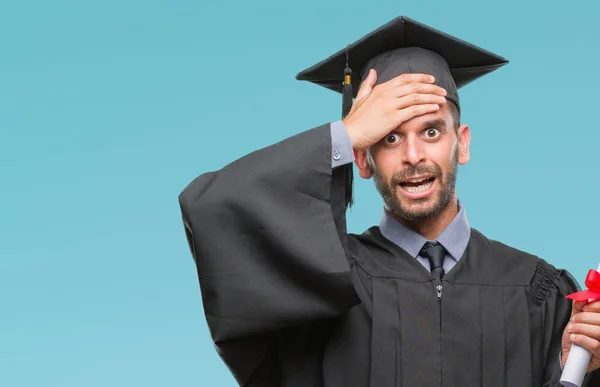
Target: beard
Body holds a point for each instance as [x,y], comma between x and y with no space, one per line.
[418,209]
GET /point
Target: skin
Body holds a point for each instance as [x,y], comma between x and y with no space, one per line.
[416,138]
[404,128]
[584,329]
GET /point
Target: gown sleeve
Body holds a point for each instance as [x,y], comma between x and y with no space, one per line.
[268,237]
[551,287]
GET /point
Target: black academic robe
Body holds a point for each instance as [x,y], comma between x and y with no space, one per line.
[293,300]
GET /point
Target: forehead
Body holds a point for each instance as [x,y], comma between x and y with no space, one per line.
[442,117]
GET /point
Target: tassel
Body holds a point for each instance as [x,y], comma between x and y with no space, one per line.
[347,94]
[347,97]
[348,176]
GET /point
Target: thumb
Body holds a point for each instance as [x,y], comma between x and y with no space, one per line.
[367,85]
[577,307]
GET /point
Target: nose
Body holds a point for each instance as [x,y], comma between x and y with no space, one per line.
[414,153]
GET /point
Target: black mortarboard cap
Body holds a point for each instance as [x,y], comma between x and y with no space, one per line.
[402,46]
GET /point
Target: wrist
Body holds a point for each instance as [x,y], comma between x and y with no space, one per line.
[352,134]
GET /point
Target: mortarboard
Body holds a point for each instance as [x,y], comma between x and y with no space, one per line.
[403,46]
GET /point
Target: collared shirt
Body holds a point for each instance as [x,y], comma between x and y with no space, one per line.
[341,147]
[454,237]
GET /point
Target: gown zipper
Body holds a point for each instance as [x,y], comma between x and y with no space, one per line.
[439,289]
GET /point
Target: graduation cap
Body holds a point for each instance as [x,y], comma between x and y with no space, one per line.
[402,46]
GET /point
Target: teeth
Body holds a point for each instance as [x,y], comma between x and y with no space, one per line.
[419,188]
[417,180]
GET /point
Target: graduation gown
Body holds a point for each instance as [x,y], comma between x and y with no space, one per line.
[293,300]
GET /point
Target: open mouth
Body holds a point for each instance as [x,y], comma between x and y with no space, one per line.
[417,184]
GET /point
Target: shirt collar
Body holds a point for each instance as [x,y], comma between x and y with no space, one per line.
[454,237]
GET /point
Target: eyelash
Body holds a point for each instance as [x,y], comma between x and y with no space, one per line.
[388,136]
[439,131]
[395,134]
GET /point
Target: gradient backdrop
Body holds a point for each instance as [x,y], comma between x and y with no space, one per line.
[108,109]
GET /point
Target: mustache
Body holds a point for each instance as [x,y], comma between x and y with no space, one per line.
[412,171]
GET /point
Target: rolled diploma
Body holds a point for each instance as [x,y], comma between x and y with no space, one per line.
[576,365]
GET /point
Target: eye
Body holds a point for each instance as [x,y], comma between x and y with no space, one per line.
[392,138]
[432,133]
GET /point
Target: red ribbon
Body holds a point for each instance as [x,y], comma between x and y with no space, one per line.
[592,282]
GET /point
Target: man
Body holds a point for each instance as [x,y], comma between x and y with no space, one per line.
[423,299]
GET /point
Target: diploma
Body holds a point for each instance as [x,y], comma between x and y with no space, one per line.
[579,357]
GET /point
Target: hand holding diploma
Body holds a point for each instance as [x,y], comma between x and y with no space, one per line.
[581,338]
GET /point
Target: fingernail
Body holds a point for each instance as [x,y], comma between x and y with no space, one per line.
[572,337]
[569,327]
[573,319]
[432,78]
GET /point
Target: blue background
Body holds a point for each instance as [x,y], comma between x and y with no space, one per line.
[108,109]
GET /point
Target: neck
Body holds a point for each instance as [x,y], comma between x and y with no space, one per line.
[430,228]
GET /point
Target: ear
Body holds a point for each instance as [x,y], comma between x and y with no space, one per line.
[360,158]
[464,141]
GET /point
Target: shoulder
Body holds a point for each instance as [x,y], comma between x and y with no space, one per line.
[541,275]
[380,257]
[371,241]
[500,249]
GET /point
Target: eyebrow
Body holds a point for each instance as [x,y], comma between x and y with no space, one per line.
[437,123]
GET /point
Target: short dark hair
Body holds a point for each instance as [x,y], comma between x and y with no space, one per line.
[455,113]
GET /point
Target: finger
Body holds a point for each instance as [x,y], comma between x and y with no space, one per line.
[591,307]
[588,343]
[413,111]
[418,87]
[418,99]
[578,306]
[367,85]
[591,331]
[410,78]
[592,318]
